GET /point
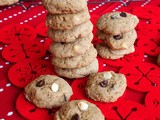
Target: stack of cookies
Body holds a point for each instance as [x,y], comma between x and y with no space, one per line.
[117,31]
[70,29]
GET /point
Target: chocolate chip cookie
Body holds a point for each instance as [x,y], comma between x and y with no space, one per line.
[48,91]
[78,47]
[106,86]
[67,21]
[79,110]
[121,41]
[8,2]
[117,23]
[77,61]
[64,6]
[105,52]
[78,72]
[70,35]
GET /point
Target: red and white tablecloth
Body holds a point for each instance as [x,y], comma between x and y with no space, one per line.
[142,97]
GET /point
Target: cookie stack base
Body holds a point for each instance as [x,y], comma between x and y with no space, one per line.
[79,72]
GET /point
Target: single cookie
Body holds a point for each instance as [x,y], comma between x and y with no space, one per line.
[158,60]
[131,49]
[116,23]
[7,2]
[64,6]
[78,47]
[79,110]
[103,51]
[76,62]
[48,91]
[105,86]
[67,21]
[122,41]
[70,35]
[78,72]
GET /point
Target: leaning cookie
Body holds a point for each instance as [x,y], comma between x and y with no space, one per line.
[70,35]
[67,21]
[103,51]
[121,41]
[78,47]
[78,72]
[131,49]
[77,61]
[79,110]
[64,6]
[116,23]
[48,91]
[105,86]
[158,60]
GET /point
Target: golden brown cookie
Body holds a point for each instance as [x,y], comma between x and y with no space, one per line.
[79,31]
[67,21]
[71,49]
[64,6]
[77,61]
[48,91]
[116,23]
[105,86]
[78,72]
[79,110]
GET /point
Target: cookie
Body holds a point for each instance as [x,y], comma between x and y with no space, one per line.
[70,35]
[158,60]
[131,49]
[116,23]
[78,72]
[76,62]
[48,91]
[105,52]
[64,6]
[105,86]
[79,110]
[8,2]
[122,41]
[71,49]
[67,21]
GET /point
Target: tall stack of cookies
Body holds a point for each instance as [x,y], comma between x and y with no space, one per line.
[117,31]
[70,29]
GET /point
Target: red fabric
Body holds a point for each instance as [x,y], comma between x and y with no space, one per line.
[11,74]
[17,33]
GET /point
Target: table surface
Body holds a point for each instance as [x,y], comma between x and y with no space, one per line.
[36,15]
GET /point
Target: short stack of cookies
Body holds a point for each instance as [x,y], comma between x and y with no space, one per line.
[116,29]
[70,29]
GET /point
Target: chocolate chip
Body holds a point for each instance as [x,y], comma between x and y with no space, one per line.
[117,37]
[104,83]
[65,98]
[123,14]
[40,83]
[112,17]
[75,117]
[62,43]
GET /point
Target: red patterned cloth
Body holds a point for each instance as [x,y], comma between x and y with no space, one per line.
[22,60]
